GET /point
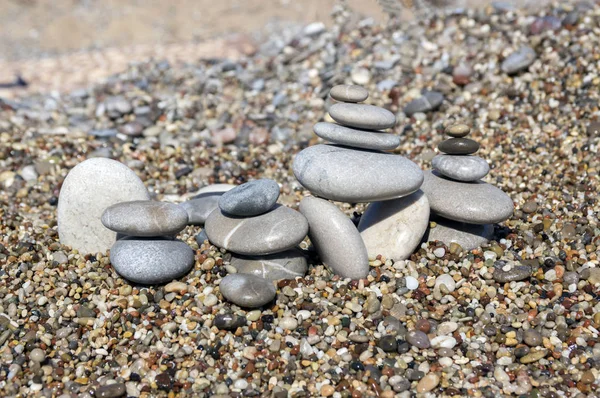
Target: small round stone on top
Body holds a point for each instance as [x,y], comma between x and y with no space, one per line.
[250,199]
[458,130]
[459,146]
[349,93]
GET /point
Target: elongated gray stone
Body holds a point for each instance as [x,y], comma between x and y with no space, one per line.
[429,101]
[348,136]
[91,187]
[250,199]
[285,265]
[246,290]
[349,93]
[280,229]
[151,260]
[468,236]
[355,175]
[461,168]
[471,202]
[145,218]
[519,60]
[204,202]
[362,116]
[335,238]
[394,228]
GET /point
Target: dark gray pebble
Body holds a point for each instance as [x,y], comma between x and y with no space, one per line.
[388,343]
[517,273]
[459,146]
[229,321]
[418,339]
[250,199]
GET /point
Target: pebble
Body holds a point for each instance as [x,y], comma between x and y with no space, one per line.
[278,230]
[348,136]
[411,283]
[288,323]
[446,280]
[428,383]
[532,337]
[228,321]
[468,236]
[145,218]
[37,355]
[459,146]
[362,116]
[519,60]
[80,206]
[289,264]
[200,207]
[151,260]
[516,273]
[388,344]
[111,390]
[418,339]
[475,202]
[394,228]
[248,291]
[461,168]
[458,130]
[352,175]
[349,93]
[534,356]
[250,199]
[335,238]
[429,101]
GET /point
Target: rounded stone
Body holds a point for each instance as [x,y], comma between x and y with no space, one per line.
[532,338]
[461,168]
[229,321]
[37,355]
[468,236]
[335,238]
[418,339]
[91,187]
[204,202]
[354,175]
[289,264]
[429,101]
[362,116]
[428,383]
[348,136]
[145,218]
[250,199]
[114,390]
[470,202]
[245,290]
[151,260]
[458,146]
[273,232]
[388,343]
[519,60]
[447,281]
[394,228]
[349,93]
[458,130]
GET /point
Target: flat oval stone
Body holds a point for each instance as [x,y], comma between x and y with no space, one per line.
[335,238]
[280,229]
[199,208]
[519,60]
[285,265]
[471,202]
[459,146]
[458,130]
[355,175]
[91,187]
[362,116]
[394,228]
[349,93]
[429,101]
[468,236]
[461,168]
[245,290]
[250,199]
[145,218]
[151,260]
[356,138]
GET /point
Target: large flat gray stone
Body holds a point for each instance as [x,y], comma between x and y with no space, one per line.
[335,238]
[461,168]
[285,265]
[348,136]
[246,290]
[356,175]
[362,116]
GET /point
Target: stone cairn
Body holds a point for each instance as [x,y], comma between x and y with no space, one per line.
[354,169]
[464,207]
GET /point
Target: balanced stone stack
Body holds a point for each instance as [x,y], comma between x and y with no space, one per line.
[464,207]
[355,168]
[262,235]
[146,250]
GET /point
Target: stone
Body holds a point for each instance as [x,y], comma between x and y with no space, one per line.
[204,202]
[458,130]
[468,236]
[91,187]
[447,281]
[151,260]
[289,264]
[458,146]
[349,93]
[471,202]
[114,390]
[428,383]
[246,290]
[429,101]
[394,228]
[220,188]
[229,321]
[519,60]
[353,175]
[532,337]
[335,238]
[516,273]
[418,339]
[278,230]
[388,343]
[201,237]
[362,116]
[250,199]
[145,218]
[356,138]
[461,168]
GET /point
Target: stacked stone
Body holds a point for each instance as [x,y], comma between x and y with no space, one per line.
[146,250]
[464,207]
[354,169]
[262,237]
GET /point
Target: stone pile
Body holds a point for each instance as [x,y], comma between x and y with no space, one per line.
[464,207]
[355,169]
[262,235]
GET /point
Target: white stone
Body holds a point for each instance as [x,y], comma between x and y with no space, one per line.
[411,283]
[446,280]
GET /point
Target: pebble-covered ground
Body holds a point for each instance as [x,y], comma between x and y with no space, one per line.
[517,317]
